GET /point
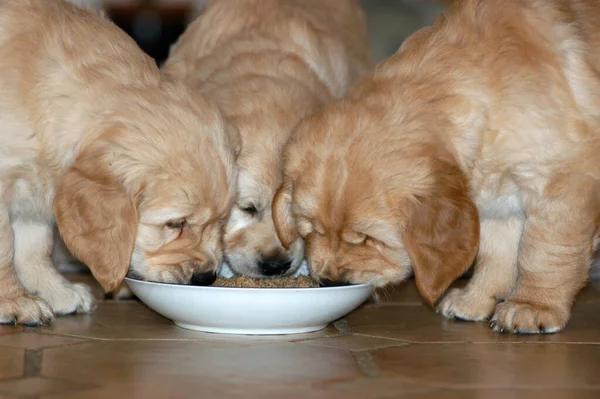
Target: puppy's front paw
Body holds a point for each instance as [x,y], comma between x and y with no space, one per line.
[29,310]
[528,318]
[462,304]
[69,298]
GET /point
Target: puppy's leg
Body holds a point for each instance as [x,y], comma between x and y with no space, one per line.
[495,272]
[33,262]
[554,259]
[16,306]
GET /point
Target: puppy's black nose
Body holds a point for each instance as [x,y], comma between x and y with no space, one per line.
[203,279]
[274,266]
[329,283]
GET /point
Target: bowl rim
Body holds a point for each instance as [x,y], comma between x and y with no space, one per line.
[246,289]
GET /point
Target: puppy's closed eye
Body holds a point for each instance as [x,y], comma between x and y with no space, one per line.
[176,224]
[249,209]
[353,237]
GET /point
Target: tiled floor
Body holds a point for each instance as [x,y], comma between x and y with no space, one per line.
[397,348]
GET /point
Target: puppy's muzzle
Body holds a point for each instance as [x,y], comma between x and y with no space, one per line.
[203,279]
[274,266]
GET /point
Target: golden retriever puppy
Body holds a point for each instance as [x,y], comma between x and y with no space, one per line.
[136,169]
[268,63]
[477,140]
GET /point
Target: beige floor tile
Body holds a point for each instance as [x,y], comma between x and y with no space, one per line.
[377,388]
[510,394]
[353,342]
[35,386]
[421,324]
[12,361]
[191,361]
[176,388]
[416,324]
[372,388]
[590,293]
[584,325]
[541,366]
[138,354]
[133,320]
[30,340]
[118,320]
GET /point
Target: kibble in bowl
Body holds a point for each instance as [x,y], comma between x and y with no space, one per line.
[281,282]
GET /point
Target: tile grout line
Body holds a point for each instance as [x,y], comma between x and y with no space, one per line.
[340,325]
[407,342]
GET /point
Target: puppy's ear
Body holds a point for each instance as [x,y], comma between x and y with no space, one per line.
[235,140]
[97,218]
[442,235]
[282,216]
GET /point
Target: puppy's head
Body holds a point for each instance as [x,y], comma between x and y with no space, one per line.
[252,246]
[150,193]
[374,205]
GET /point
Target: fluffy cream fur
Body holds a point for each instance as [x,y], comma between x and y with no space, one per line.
[268,63]
[136,167]
[479,138]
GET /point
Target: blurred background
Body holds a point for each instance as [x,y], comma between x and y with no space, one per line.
[156,24]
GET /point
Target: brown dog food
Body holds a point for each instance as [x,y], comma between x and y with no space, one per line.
[283,282]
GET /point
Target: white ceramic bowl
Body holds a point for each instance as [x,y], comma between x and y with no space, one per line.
[250,311]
